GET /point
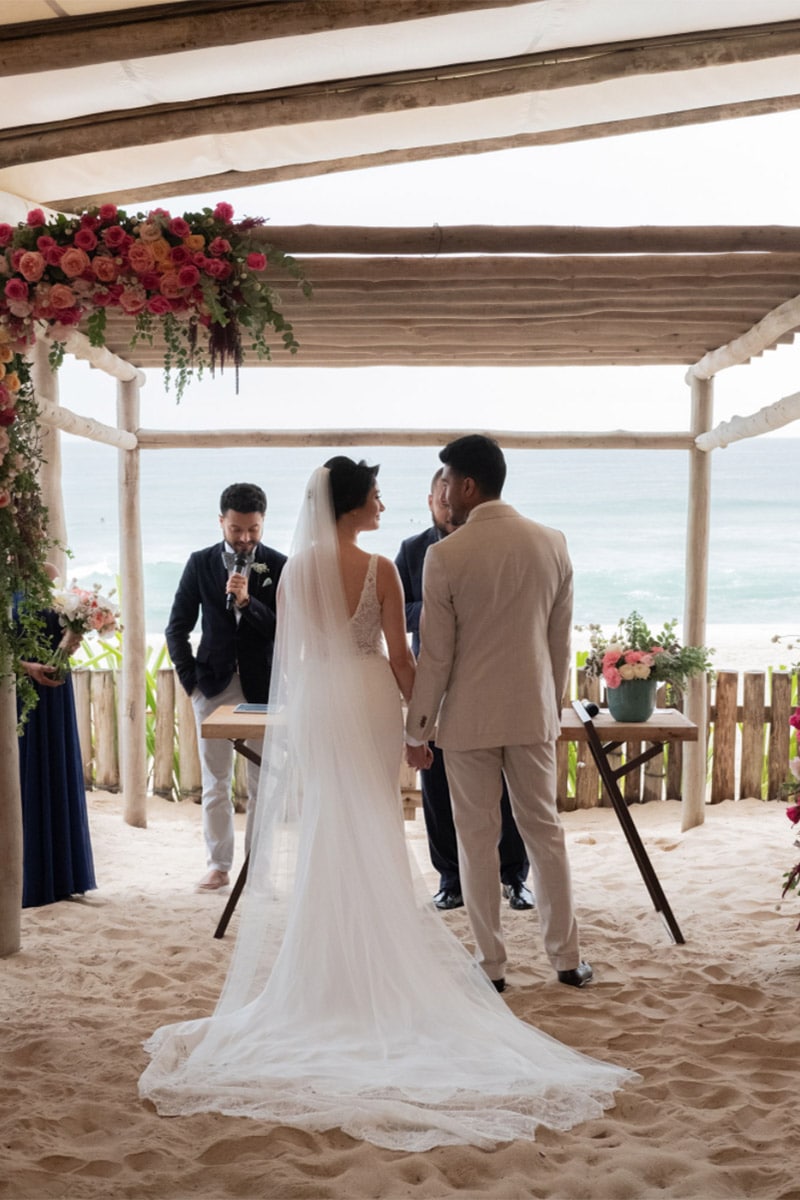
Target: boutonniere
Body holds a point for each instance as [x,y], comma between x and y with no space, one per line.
[262,569]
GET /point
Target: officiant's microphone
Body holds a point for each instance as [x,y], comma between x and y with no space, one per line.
[239,564]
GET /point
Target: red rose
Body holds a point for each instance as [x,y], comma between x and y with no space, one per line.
[16,256]
[223,212]
[188,276]
[36,217]
[150,280]
[114,237]
[793,813]
[219,246]
[256,261]
[6,234]
[84,239]
[107,212]
[8,416]
[44,242]
[53,255]
[217,268]
[159,305]
[794,719]
[180,227]
[16,289]
[180,255]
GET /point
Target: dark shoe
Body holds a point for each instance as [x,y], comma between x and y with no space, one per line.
[447,898]
[518,895]
[577,977]
[499,984]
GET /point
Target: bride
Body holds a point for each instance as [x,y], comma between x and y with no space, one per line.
[348,1003]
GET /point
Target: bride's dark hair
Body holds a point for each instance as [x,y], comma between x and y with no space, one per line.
[351,483]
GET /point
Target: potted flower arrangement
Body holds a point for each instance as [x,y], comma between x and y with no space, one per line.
[633,661]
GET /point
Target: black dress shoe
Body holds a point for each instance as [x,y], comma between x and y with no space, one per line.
[447,898]
[577,977]
[518,895]
[499,984]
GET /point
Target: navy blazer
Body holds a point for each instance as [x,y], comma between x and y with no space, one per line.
[226,645]
[410,558]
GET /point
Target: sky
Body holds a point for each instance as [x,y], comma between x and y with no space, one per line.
[743,172]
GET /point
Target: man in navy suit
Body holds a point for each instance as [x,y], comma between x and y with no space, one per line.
[234,584]
[442,842]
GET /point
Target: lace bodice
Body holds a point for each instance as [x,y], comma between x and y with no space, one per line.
[366,620]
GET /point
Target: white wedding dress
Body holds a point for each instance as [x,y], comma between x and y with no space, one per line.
[348,1003]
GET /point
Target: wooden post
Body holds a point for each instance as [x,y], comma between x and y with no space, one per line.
[564,801]
[587,778]
[133,692]
[694,615]
[164,751]
[81,686]
[10,819]
[752,772]
[723,772]
[781,706]
[674,751]
[105,730]
[240,789]
[188,755]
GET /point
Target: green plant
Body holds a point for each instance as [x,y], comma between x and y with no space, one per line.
[634,652]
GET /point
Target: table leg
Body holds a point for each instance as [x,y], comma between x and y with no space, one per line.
[241,747]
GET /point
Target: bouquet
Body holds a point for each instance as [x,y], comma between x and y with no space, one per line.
[80,611]
[633,652]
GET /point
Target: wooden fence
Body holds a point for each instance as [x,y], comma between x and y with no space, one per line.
[748,746]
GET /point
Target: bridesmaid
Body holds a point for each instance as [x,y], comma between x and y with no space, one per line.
[57,852]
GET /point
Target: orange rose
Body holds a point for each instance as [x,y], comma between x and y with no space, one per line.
[12,381]
[162,251]
[74,262]
[105,268]
[148,231]
[195,241]
[141,257]
[61,296]
[6,354]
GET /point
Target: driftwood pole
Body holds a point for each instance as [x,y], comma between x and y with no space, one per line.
[133,745]
[10,818]
[45,383]
[694,618]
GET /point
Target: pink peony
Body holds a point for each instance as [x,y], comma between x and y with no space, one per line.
[74,261]
[223,212]
[612,676]
[256,261]
[36,217]
[32,265]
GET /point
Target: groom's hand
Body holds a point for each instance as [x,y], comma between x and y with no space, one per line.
[419,757]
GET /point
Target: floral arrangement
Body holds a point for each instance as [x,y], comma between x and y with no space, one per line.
[792,877]
[200,277]
[80,612]
[633,652]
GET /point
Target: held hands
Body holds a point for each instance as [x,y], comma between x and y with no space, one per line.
[419,757]
[237,587]
[41,673]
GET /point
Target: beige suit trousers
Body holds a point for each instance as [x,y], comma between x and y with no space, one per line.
[475,778]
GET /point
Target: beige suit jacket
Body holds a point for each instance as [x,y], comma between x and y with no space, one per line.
[494,635]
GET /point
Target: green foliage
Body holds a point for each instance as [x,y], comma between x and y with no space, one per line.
[634,648]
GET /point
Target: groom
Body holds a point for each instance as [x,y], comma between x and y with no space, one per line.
[493,666]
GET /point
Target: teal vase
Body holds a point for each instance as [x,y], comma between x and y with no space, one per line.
[633,700]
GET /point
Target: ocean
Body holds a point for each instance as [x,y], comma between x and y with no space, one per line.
[623,512]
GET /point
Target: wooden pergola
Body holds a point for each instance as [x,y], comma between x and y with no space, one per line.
[121,102]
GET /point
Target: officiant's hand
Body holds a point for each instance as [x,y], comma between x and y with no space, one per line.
[419,757]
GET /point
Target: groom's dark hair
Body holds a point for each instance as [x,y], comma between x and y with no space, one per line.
[477,457]
[351,483]
[243,498]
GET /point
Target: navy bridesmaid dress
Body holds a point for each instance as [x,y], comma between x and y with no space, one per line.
[57,853]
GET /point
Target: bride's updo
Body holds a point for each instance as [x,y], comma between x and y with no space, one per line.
[351,483]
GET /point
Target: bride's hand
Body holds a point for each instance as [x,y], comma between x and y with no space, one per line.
[419,757]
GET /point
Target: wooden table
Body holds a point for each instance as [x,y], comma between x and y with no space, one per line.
[583,722]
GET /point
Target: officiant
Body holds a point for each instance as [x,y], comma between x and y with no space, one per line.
[233,585]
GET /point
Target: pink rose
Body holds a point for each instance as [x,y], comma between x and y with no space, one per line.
[150,280]
[85,239]
[74,261]
[794,719]
[32,265]
[6,234]
[217,268]
[170,285]
[180,255]
[107,212]
[148,231]
[223,212]
[16,256]
[45,242]
[159,305]
[219,246]
[188,276]
[105,268]
[256,261]
[140,256]
[793,813]
[179,227]
[89,222]
[612,676]
[53,255]
[36,217]
[16,289]
[132,301]
[61,296]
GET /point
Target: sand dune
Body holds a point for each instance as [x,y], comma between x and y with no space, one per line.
[711,1027]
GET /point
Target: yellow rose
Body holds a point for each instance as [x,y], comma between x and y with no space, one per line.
[195,241]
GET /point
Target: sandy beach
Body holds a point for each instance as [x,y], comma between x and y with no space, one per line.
[709,1026]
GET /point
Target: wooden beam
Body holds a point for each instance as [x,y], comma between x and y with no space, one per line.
[775,325]
[462,83]
[223,181]
[164,439]
[772,416]
[86,427]
[80,41]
